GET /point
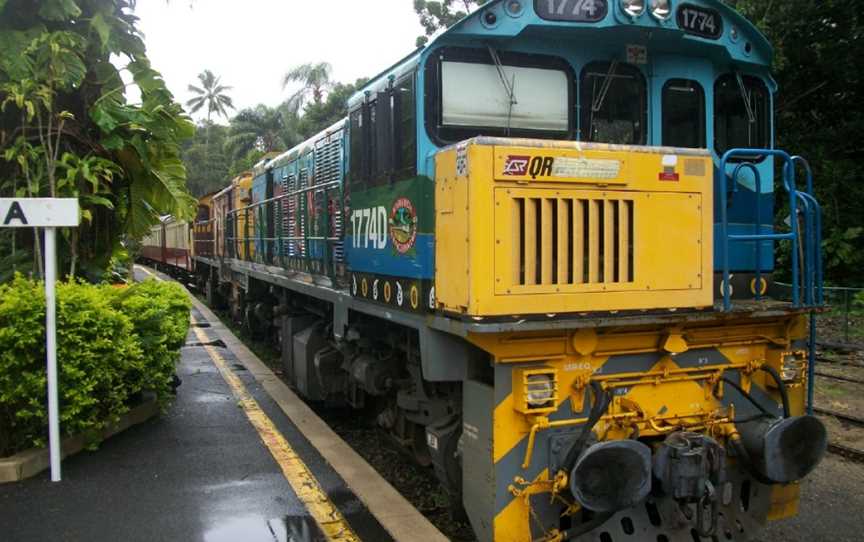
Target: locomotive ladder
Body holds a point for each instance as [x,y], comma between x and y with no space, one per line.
[807,290]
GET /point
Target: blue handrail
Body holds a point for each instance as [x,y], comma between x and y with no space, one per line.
[816,278]
[758,238]
[816,232]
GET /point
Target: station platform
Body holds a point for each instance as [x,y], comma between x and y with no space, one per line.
[237,457]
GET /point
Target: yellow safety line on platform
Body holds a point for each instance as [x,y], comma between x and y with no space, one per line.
[304,484]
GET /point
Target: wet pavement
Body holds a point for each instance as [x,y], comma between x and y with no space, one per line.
[200,472]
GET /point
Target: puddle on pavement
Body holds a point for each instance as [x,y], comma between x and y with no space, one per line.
[217,344]
[258,529]
[294,529]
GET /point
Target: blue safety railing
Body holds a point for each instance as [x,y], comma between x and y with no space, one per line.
[810,243]
[806,284]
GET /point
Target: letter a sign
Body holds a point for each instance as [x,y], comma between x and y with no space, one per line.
[48,213]
[38,213]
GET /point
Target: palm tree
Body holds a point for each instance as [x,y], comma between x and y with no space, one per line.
[212,94]
[315,81]
[261,128]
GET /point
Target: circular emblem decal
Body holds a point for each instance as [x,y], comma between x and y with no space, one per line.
[415,297]
[388,292]
[400,295]
[403,225]
[763,286]
[365,287]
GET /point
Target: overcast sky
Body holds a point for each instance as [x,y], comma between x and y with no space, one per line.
[250,44]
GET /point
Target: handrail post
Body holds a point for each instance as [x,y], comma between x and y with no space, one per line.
[724,237]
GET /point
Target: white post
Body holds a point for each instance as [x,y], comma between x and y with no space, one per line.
[51,346]
[48,213]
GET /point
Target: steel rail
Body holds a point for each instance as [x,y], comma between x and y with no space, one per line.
[851,454]
[854,420]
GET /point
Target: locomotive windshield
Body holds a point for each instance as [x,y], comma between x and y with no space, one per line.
[742,113]
[684,114]
[614,104]
[539,97]
[486,92]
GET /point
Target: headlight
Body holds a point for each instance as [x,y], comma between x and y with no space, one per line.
[793,367]
[514,8]
[540,390]
[535,390]
[661,9]
[633,8]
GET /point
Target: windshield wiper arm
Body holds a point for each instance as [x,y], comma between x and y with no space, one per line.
[509,86]
[600,99]
[748,99]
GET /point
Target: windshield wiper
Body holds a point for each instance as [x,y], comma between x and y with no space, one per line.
[509,86]
[600,99]
[747,97]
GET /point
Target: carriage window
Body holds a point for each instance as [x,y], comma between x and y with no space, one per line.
[614,104]
[742,113]
[684,114]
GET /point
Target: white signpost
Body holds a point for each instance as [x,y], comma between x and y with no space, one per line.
[48,213]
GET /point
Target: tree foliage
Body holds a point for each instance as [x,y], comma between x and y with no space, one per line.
[68,130]
[820,114]
[440,15]
[314,79]
[259,130]
[207,164]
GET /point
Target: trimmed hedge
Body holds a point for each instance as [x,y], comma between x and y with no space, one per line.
[113,345]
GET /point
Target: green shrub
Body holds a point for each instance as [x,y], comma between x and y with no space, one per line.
[113,345]
[160,314]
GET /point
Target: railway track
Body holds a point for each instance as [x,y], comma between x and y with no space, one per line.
[842,450]
[840,378]
[848,418]
[851,454]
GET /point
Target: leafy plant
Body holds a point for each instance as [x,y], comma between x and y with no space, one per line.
[68,131]
[113,345]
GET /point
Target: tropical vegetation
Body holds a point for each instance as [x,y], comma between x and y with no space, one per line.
[212,93]
[68,129]
[218,153]
[119,346]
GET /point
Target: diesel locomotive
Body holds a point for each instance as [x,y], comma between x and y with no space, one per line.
[541,252]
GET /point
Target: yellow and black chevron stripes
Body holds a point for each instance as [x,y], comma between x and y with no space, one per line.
[670,388]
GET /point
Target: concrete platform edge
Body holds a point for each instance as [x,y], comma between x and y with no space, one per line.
[388,506]
[29,463]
